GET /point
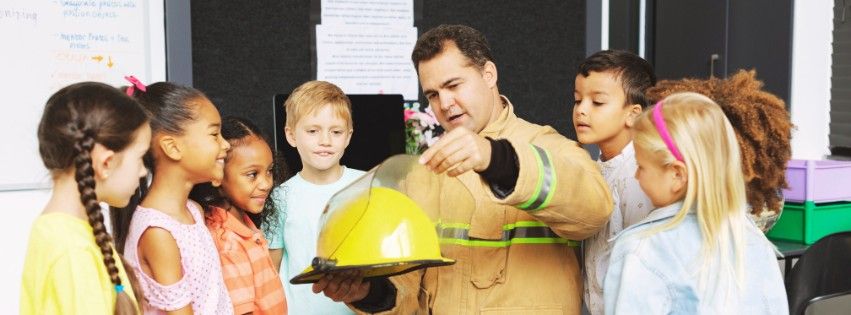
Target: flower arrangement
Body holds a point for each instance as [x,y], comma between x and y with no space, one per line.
[421,128]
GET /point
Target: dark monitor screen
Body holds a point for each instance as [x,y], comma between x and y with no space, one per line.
[379,131]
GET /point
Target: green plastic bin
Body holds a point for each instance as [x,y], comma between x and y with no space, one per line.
[808,222]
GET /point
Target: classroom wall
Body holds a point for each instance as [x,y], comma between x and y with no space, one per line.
[242,62]
[811,61]
[810,98]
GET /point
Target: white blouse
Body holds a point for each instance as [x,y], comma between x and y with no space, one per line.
[631,206]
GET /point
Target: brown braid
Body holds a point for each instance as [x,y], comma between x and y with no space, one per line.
[763,130]
[84,175]
[74,119]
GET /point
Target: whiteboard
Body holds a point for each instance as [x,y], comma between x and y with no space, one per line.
[48,44]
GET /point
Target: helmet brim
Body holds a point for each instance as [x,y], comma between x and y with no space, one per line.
[310,275]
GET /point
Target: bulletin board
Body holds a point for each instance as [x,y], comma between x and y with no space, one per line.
[245,52]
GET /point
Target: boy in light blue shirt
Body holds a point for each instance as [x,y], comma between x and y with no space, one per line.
[319,126]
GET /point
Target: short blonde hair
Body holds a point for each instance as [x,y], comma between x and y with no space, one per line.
[313,95]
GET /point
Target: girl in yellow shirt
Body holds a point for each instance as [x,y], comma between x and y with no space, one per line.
[92,138]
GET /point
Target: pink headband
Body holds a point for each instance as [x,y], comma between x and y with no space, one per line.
[134,84]
[659,121]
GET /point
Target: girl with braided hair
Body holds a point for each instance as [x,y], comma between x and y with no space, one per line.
[763,130]
[92,138]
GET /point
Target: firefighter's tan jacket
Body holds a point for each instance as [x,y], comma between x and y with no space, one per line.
[514,254]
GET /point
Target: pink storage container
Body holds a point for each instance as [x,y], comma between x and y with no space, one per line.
[818,181]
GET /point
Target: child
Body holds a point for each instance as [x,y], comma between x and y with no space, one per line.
[92,138]
[168,243]
[609,95]
[252,281]
[689,256]
[765,143]
[319,126]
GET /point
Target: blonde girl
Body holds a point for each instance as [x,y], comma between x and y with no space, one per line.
[689,256]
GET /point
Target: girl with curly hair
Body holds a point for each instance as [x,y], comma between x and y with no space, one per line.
[235,207]
[763,130]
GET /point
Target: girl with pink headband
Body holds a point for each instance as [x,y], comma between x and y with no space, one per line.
[689,255]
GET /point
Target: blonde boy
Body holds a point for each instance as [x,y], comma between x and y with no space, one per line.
[319,125]
[610,93]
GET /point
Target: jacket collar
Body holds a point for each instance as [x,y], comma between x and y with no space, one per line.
[495,128]
[659,214]
[662,213]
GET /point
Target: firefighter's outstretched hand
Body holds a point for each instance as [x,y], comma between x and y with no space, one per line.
[457,152]
[346,286]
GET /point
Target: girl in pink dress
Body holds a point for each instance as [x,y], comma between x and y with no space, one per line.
[168,243]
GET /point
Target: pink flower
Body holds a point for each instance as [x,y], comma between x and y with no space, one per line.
[409,113]
[425,118]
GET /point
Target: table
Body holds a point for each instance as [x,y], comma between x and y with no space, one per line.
[790,251]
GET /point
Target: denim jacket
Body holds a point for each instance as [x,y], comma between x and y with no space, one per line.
[658,273]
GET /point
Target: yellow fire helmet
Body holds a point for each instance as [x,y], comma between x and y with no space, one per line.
[374,226]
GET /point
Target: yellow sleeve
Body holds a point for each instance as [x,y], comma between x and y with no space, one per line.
[77,285]
[560,185]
